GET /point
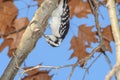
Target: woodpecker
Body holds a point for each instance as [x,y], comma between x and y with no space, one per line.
[59,24]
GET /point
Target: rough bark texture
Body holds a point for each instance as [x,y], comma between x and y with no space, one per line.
[33,32]
[116,34]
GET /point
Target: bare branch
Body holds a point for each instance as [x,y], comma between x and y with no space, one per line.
[64,66]
[91,54]
[90,66]
[94,6]
[73,68]
[50,67]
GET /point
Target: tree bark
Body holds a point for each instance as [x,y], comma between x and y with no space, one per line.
[116,34]
[33,32]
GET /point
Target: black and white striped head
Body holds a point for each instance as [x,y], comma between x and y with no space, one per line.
[52,40]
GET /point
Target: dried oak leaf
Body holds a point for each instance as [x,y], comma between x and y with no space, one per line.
[1,1]
[8,13]
[108,37]
[35,74]
[118,1]
[12,40]
[79,8]
[7,0]
[78,44]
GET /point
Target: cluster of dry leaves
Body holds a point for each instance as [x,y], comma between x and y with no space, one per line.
[35,74]
[10,26]
[11,30]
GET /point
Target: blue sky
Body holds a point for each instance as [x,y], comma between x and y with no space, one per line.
[49,56]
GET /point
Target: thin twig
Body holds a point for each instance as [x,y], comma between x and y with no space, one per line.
[12,32]
[113,72]
[90,66]
[73,68]
[94,5]
[50,67]
[92,53]
[63,66]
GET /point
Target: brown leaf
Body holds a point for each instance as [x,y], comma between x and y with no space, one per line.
[79,8]
[5,0]
[79,49]
[35,74]
[1,1]
[7,42]
[8,12]
[16,36]
[86,34]
[78,44]
[118,1]
[108,37]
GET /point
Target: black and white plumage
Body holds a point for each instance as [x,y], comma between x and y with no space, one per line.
[59,24]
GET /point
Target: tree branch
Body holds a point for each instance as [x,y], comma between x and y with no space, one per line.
[87,69]
[33,32]
[94,6]
[116,35]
